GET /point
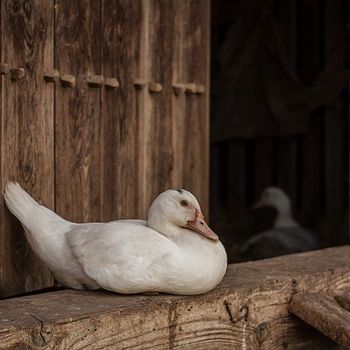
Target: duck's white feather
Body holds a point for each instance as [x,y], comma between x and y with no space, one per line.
[132,258]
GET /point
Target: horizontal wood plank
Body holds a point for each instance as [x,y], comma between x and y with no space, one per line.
[249,310]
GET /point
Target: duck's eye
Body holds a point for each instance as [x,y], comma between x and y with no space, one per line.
[184,203]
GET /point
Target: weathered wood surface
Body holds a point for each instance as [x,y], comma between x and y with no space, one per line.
[159,27]
[195,35]
[249,310]
[95,153]
[78,151]
[27,128]
[323,313]
[121,45]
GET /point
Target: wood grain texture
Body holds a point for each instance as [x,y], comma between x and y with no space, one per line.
[78,145]
[179,96]
[325,314]
[121,58]
[27,134]
[158,143]
[196,25]
[216,320]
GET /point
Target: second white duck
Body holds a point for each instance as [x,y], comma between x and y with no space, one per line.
[286,236]
[174,251]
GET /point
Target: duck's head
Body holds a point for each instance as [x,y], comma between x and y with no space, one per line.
[175,210]
[274,197]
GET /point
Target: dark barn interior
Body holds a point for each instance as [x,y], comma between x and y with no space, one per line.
[279,115]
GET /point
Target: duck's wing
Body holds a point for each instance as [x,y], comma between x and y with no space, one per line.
[133,221]
[122,256]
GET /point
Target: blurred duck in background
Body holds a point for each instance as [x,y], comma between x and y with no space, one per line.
[285,237]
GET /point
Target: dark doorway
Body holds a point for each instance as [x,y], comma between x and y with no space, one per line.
[279,116]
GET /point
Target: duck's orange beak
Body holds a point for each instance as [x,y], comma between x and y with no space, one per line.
[200,226]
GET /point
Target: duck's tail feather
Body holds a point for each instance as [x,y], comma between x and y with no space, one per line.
[30,213]
[19,202]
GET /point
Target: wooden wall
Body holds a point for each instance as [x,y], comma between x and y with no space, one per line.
[311,166]
[93,153]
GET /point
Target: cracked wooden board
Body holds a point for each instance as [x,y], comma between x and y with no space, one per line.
[248,310]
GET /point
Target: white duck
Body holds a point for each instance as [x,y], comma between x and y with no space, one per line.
[175,251]
[286,236]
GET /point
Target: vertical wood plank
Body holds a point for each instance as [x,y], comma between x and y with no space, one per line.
[143,111]
[160,169]
[335,124]
[178,100]
[196,127]
[120,116]
[27,151]
[78,144]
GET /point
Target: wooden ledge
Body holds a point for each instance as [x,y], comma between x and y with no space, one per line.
[249,310]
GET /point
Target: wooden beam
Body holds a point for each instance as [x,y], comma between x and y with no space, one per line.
[249,310]
[325,314]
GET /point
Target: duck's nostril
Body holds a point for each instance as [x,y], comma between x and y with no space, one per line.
[201,222]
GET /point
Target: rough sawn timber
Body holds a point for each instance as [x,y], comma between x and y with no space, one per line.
[249,310]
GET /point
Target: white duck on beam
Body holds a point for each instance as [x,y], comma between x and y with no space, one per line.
[286,236]
[174,251]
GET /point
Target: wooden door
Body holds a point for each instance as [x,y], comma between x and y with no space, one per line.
[91,151]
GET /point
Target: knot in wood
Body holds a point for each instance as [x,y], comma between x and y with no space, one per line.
[4,68]
[17,73]
[262,332]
